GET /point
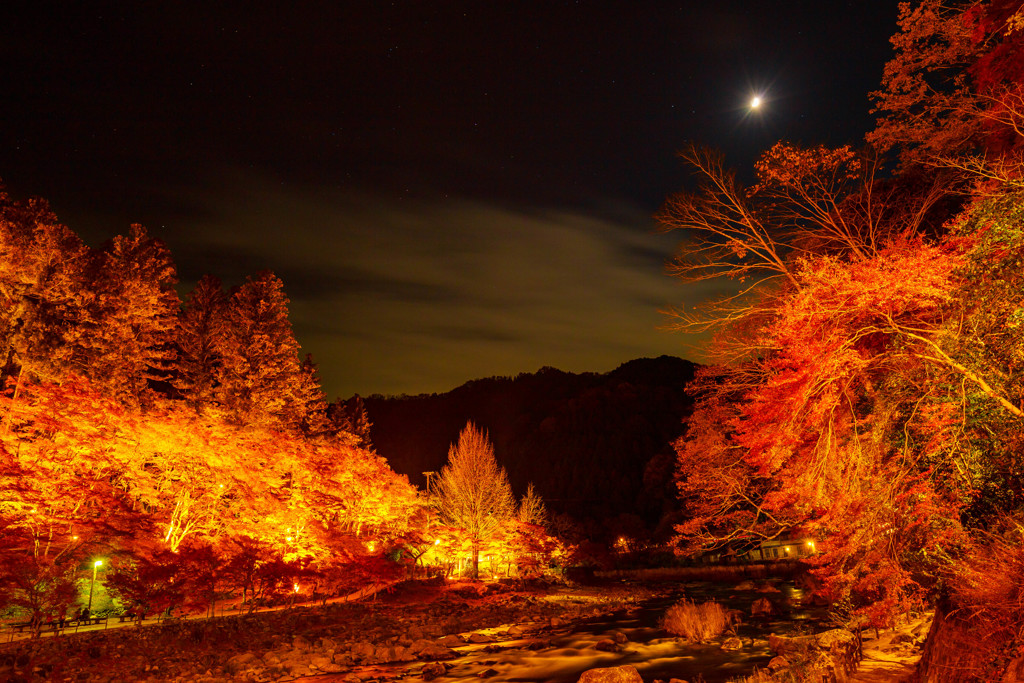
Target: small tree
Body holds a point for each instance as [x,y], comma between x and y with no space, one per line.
[473,492]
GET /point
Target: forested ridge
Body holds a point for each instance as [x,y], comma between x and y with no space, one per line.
[596,446]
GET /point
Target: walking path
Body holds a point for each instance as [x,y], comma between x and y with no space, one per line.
[9,633]
[892,657]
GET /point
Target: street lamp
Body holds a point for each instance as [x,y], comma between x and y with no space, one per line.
[95,566]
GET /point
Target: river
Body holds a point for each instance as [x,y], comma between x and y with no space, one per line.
[561,654]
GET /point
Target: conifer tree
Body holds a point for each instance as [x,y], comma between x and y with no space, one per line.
[473,492]
[201,335]
[130,315]
[260,370]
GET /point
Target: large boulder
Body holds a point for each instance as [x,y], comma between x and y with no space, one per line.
[799,645]
[615,674]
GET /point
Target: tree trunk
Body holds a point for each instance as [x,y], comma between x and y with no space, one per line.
[476,560]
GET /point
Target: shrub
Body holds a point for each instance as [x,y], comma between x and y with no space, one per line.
[698,623]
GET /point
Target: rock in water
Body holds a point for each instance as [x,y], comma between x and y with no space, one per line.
[433,670]
[732,643]
[615,674]
[762,607]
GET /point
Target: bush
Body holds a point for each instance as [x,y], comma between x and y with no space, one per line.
[698,623]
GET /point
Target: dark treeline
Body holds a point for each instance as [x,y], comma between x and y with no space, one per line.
[598,447]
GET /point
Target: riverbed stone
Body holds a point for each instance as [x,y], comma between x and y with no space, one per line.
[481,638]
[364,651]
[762,607]
[241,662]
[607,645]
[615,674]
[732,643]
[797,645]
[432,670]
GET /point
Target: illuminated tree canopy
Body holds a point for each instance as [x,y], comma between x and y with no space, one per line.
[867,388]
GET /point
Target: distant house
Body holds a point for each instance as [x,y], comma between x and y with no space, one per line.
[783,548]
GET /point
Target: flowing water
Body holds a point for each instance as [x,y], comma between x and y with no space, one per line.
[563,654]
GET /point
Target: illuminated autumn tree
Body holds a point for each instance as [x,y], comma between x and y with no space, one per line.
[808,202]
[350,416]
[473,492]
[98,451]
[531,508]
[125,339]
[954,86]
[201,333]
[41,264]
[828,359]
[261,379]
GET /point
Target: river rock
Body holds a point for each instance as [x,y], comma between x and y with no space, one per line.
[615,674]
[620,637]
[732,643]
[487,673]
[798,645]
[452,641]
[606,645]
[319,662]
[836,638]
[762,607]
[428,649]
[778,663]
[394,653]
[364,651]
[515,630]
[433,670]
[481,638]
[301,644]
[745,586]
[767,588]
[241,662]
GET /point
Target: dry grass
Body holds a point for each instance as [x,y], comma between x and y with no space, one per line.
[697,623]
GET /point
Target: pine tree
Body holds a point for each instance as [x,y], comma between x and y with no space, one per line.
[130,315]
[201,335]
[260,375]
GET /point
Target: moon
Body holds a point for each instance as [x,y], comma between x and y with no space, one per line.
[755,102]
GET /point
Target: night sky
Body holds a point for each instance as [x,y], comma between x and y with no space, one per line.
[449,190]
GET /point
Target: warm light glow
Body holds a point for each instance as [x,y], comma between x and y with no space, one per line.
[437,542]
[97,563]
[755,102]
[810,544]
[296,587]
[371,546]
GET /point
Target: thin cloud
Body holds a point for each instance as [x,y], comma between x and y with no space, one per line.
[400,296]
